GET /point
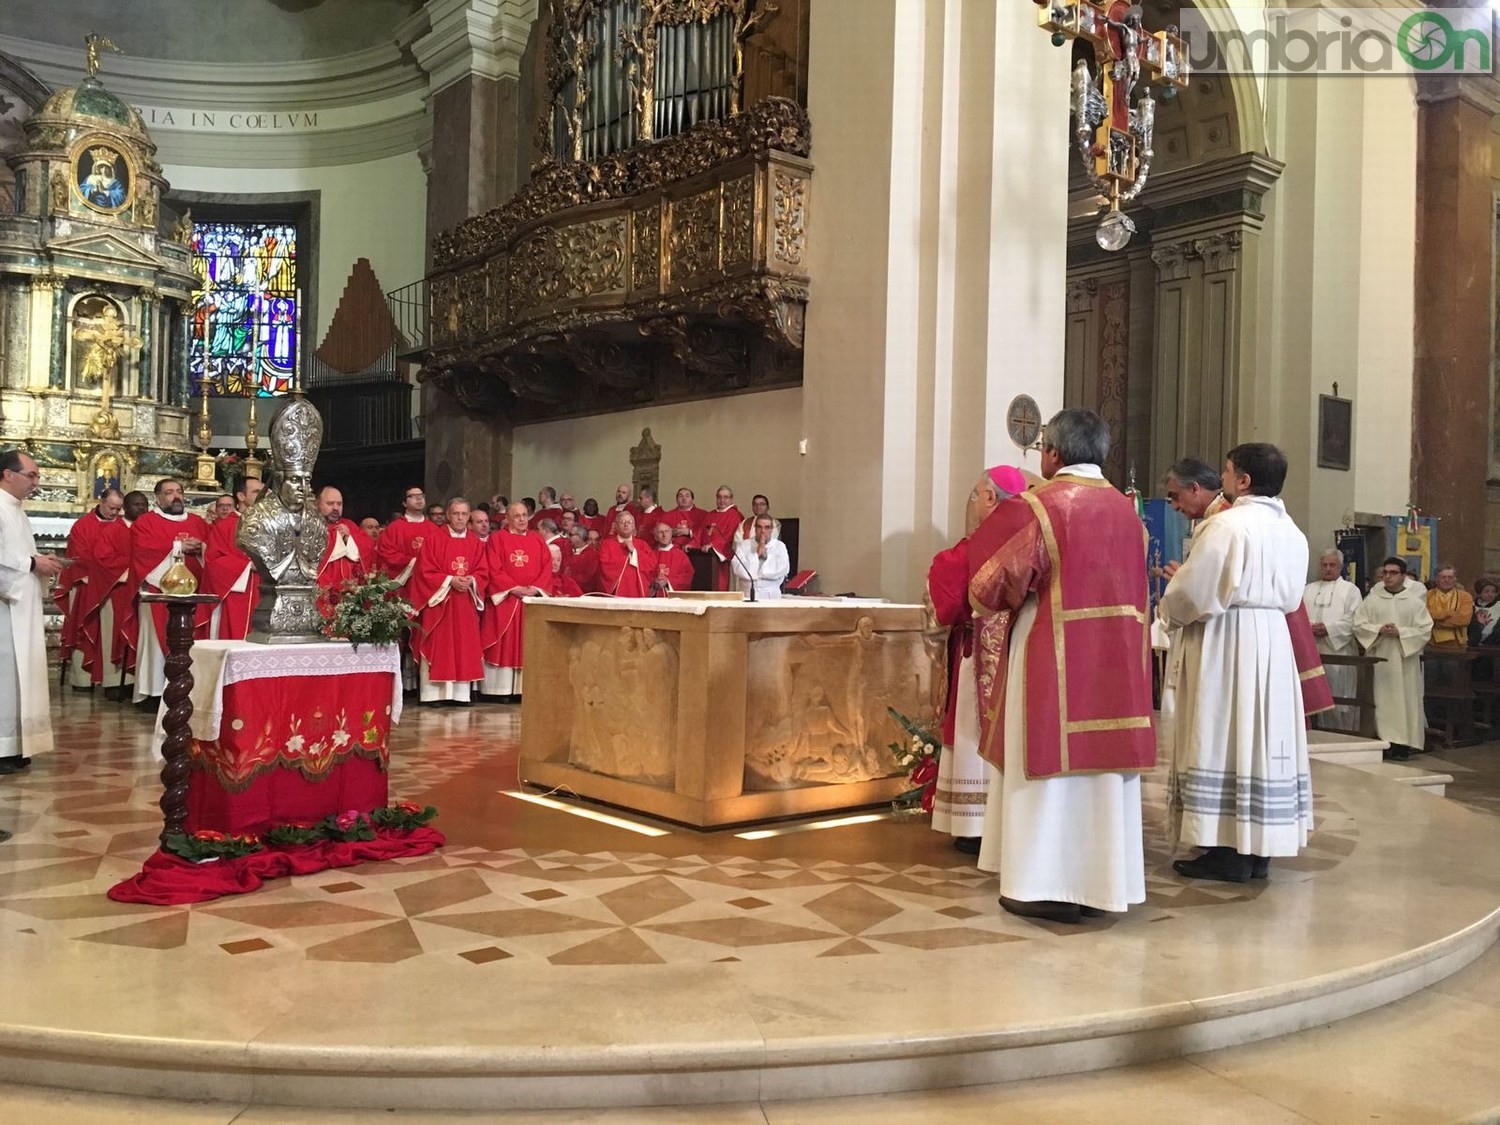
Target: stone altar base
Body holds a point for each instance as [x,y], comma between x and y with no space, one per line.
[720,713]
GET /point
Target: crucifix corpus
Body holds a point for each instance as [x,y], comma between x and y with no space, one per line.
[1114,136]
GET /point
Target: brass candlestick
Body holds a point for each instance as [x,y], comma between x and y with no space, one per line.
[253,463]
[207,476]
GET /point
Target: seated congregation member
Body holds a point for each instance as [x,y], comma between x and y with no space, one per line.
[761,564]
[447,589]
[93,589]
[686,519]
[1393,624]
[520,566]
[760,505]
[348,554]
[153,540]
[227,571]
[674,570]
[627,565]
[716,534]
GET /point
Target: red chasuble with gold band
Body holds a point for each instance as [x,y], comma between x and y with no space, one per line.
[224,565]
[449,639]
[514,560]
[1077,544]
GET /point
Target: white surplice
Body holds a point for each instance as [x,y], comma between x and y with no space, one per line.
[25,718]
[1399,715]
[1240,774]
[1332,605]
[963,776]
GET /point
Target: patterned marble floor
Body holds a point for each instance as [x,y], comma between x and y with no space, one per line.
[522,881]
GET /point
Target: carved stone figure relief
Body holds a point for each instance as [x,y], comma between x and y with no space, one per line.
[624,696]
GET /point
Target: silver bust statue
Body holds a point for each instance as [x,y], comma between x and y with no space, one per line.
[284,536]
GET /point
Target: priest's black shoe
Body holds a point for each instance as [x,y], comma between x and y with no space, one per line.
[969,845]
[1223,864]
[1044,909]
[14,765]
[1260,867]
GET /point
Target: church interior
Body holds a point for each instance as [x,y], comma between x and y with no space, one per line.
[840,256]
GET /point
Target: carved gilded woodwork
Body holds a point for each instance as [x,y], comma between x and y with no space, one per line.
[790,217]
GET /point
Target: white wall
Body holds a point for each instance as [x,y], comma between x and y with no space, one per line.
[748,442]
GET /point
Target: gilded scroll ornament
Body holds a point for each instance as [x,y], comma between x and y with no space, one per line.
[645,262]
[694,236]
[790,215]
[739,221]
[593,257]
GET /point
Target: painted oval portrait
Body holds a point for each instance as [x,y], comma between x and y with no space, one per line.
[101,176]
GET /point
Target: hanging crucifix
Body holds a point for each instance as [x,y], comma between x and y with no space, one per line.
[1114,136]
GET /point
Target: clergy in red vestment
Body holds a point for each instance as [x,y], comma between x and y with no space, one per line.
[1070,726]
[348,554]
[760,505]
[153,539]
[581,564]
[648,515]
[674,570]
[547,507]
[94,590]
[401,541]
[627,565]
[227,571]
[622,505]
[520,566]
[685,519]
[122,653]
[716,534]
[593,520]
[447,587]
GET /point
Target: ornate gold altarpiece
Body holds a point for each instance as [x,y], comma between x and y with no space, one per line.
[670,270]
[714,713]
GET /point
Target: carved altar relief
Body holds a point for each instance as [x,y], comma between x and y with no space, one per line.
[817,705]
[623,690]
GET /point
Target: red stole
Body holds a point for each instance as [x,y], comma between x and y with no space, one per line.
[1317,695]
[101,553]
[675,568]
[513,560]
[449,640]
[223,563]
[1079,546]
[151,540]
[618,577]
[401,541]
[332,575]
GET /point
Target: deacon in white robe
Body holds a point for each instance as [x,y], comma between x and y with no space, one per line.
[1330,603]
[1392,623]
[1240,784]
[25,719]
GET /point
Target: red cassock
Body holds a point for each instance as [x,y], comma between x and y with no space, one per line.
[100,550]
[333,573]
[675,567]
[948,597]
[223,566]
[645,522]
[400,542]
[716,535]
[450,639]
[686,523]
[582,569]
[620,577]
[1087,683]
[151,540]
[514,561]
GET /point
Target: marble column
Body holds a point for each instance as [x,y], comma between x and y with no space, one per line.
[1454,446]
[17,330]
[937,248]
[472,54]
[146,356]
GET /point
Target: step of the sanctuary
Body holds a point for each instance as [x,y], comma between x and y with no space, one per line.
[1427,781]
[1345,749]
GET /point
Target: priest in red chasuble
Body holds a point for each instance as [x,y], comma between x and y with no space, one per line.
[520,566]
[581,564]
[399,544]
[447,587]
[1071,727]
[153,540]
[674,570]
[623,504]
[648,514]
[94,590]
[347,555]
[627,565]
[686,519]
[716,534]
[227,571]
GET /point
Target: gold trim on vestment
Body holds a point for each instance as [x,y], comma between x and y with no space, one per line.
[1054,581]
[1089,726]
[1104,611]
[1311,673]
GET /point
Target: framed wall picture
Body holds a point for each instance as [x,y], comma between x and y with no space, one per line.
[1335,432]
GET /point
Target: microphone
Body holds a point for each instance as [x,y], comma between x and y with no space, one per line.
[736,557]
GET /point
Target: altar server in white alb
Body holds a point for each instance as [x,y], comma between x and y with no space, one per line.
[1240,785]
[761,563]
[1330,603]
[25,722]
[1393,624]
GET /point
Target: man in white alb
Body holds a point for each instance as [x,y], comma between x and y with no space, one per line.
[1393,624]
[1330,603]
[761,564]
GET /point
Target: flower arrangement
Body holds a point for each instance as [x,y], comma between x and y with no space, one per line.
[368,610]
[918,755]
[207,845]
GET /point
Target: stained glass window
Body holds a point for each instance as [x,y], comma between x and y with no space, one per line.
[245,318]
